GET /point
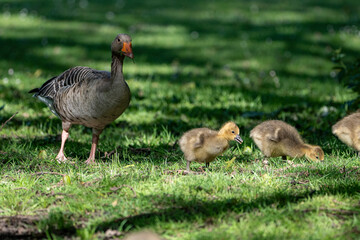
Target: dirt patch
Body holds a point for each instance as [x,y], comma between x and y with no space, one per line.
[339,213]
[19,227]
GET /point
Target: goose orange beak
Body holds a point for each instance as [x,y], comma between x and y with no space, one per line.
[127,50]
[238,139]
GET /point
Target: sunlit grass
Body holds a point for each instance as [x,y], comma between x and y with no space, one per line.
[197,63]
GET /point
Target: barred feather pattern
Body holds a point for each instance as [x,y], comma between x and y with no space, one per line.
[67,79]
[82,95]
[89,97]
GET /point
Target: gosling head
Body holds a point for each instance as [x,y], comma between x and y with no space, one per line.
[315,153]
[122,45]
[230,131]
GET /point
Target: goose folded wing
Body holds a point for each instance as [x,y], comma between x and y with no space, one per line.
[68,78]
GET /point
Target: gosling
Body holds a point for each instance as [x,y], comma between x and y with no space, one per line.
[348,131]
[276,138]
[204,145]
[143,235]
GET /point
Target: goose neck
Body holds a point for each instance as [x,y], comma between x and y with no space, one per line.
[117,65]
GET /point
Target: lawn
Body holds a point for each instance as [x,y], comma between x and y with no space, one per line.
[197,63]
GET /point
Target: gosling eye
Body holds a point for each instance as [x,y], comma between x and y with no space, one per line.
[118,39]
[232,131]
[317,157]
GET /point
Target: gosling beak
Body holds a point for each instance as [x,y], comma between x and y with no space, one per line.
[238,139]
[127,50]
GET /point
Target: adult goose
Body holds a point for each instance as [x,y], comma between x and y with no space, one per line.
[90,97]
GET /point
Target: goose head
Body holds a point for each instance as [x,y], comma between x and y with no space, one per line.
[314,153]
[230,131]
[122,45]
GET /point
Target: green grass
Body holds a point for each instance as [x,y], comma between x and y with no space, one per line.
[197,63]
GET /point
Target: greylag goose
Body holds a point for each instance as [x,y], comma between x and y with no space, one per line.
[276,138]
[204,145]
[89,97]
[348,131]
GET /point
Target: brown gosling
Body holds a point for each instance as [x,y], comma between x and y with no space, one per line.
[143,235]
[348,131]
[204,145]
[276,138]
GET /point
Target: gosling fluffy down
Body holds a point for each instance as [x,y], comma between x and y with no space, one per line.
[204,145]
[276,138]
[348,131]
[143,235]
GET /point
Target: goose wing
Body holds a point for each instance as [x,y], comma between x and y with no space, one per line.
[199,142]
[48,91]
[67,79]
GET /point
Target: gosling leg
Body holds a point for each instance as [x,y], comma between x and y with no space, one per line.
[188,166]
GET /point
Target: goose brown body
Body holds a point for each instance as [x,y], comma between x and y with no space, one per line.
[276,138]
[94,102]
[204,145]
[89,97]
[348,130]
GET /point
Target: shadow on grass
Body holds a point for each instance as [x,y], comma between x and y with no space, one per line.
[16,50]
[28,151]
[22,51]
[175,208]
[182,210]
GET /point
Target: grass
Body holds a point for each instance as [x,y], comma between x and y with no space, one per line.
[197,63]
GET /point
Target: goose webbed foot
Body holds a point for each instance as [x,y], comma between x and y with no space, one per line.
[90,161]
[60,158]
[64,135]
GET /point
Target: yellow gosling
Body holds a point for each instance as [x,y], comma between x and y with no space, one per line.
[204,145]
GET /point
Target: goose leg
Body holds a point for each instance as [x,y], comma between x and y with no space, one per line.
[64,135]
[95,140]
[207,164]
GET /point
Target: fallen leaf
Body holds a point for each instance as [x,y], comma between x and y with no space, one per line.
[131,165]
[247,150]
[37,73]
[67,180]
[230,163]
[42,154]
